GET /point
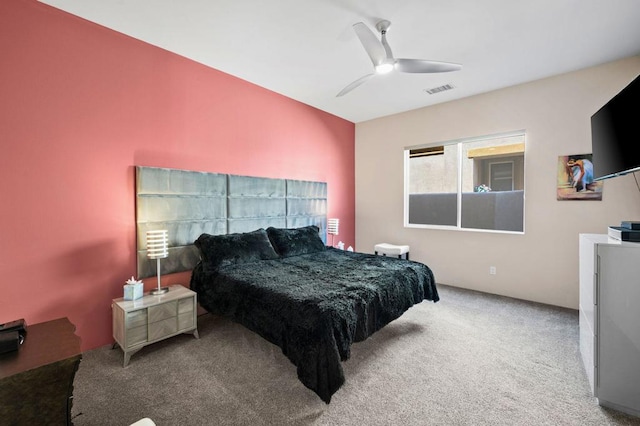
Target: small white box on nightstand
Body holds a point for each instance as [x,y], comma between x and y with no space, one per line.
[132,291]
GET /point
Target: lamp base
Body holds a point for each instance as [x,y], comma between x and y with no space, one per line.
[159,291]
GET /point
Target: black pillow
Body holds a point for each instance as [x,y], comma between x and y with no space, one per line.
[296,241]
[230,249]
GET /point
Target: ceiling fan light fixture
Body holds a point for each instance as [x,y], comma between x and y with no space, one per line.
[384,68]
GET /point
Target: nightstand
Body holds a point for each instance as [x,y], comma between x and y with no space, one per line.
[141,322]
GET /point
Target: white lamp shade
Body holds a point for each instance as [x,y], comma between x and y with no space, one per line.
[332,226]
[157,244]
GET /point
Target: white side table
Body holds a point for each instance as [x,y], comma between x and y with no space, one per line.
[138,323]
[392,250]
[609,318]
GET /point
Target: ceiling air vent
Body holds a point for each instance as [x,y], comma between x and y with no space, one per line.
[435,90]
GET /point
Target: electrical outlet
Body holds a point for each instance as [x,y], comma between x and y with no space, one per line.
[492,270]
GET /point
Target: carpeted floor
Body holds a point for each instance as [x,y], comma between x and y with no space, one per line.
[470,359]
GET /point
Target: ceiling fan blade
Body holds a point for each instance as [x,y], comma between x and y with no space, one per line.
[370,42]
[424,66]
[355,84]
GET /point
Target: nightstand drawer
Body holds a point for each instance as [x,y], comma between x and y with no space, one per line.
[136,335]
[185,305]
[136,318]
[162,312]
[185,321]
[160,329]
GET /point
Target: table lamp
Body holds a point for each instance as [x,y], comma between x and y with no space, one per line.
[158,248]
[332,228]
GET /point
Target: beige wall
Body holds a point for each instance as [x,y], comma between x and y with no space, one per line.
[542,264]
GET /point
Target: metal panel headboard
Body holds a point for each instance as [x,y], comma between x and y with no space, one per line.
[188,203]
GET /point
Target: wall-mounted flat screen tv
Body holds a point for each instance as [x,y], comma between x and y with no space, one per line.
[615,134]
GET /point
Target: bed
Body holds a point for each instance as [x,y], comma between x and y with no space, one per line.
[310,300]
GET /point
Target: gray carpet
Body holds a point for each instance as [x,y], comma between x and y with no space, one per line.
[470,359]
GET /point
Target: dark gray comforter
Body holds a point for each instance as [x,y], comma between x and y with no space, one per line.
[315,306]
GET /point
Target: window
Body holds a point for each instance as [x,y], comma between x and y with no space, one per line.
[467,184]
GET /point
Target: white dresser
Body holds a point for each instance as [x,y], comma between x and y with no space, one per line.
[610,320]
[138,323]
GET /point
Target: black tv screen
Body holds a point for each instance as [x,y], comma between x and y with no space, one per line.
[615,134]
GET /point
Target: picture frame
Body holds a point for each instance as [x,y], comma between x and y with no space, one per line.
[575,179]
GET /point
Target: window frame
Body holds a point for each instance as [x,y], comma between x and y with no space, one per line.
[460,144]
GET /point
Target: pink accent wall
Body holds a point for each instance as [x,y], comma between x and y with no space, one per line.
[80,106]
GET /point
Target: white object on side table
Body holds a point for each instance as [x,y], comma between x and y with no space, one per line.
[392,250]
[143,422]
[609,319]
[133,289]
[138,323]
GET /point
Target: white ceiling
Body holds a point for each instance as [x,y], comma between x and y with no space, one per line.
[308,51]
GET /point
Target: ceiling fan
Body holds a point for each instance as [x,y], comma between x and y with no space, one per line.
[383,61]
